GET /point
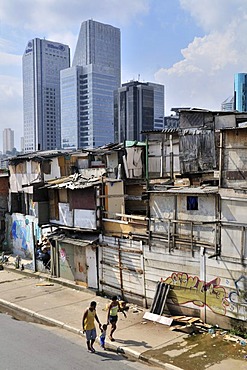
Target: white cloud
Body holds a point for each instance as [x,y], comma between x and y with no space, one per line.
[215,15]
[9,59]
[204,76]
[47,15]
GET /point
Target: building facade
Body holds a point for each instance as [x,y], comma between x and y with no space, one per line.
[8,140]
[42,62]
[240,92]
[94,75]
[138,106]
[72,107]
[159,105]
[228,104]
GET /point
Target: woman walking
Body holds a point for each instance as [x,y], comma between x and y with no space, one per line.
[112,316]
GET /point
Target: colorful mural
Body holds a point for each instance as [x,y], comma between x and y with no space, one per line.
[186,289]
[20,234]
[63,255]
[239,296]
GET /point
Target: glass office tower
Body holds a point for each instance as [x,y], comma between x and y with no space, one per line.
[69,114]
[96,71]
[240,92]
[159,105]
[228,104]
[42,62]
[138,106]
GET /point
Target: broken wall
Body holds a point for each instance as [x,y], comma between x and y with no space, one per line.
[234,158]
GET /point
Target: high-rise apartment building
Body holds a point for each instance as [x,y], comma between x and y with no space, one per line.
[8,140]
[138,106]
[42,62]
[87,87]
[240,92]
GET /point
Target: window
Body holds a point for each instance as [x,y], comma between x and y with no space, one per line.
[192,203]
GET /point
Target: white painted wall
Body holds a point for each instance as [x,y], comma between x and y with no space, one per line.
[91,267]
[55,170]
[85,219]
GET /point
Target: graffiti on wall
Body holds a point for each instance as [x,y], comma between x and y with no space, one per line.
[239,296]
[190,289]
[63,255]
[20,235]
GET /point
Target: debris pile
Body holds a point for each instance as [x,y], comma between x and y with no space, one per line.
[190,325]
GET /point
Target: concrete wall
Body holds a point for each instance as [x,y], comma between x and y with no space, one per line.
[213,289]
[166,207]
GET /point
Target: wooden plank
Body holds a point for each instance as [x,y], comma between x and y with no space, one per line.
[158,318]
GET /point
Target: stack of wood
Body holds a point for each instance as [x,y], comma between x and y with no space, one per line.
[189,325]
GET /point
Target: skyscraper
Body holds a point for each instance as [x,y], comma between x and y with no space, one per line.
[72,108]
[228,104]
[42,62]
[240,92]
[87,87]
[138,106]
[8,140]
[159,105]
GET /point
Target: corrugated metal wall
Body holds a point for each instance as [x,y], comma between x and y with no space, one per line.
[122,268]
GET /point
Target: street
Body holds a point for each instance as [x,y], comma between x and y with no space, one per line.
[27,346]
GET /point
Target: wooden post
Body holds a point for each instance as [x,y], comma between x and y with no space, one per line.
[242,243]
[120,269]
[34,247]
[144,300]
[169,235]
[192,248]
[171,158]
[220,158]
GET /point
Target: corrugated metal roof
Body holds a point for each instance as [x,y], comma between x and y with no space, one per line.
[39,156]
[78,242]
[76,181]
[104,149]
[82,241]
[165,131]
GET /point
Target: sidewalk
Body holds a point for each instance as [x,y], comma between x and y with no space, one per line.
[58,302]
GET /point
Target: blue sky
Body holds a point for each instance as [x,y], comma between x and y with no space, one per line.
[193,47]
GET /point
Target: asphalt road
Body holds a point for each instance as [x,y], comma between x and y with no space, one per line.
[30,346]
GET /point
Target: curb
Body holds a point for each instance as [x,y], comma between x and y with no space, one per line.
[22,314]
[41,275]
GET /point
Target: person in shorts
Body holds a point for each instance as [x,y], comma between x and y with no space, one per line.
[88,325]
[112,316]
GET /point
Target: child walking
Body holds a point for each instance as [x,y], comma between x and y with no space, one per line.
[102,336]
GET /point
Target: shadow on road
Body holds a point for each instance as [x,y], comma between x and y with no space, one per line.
[130,342]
